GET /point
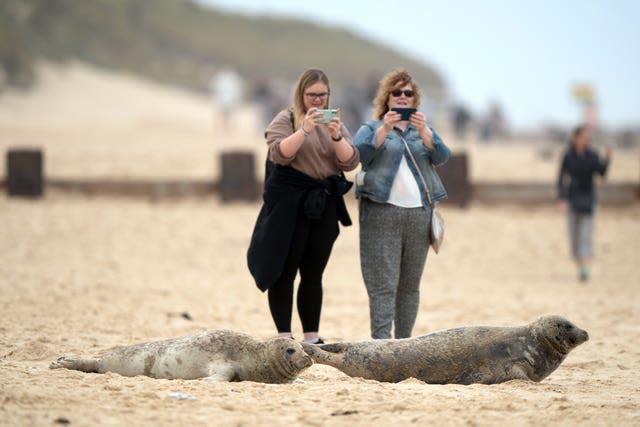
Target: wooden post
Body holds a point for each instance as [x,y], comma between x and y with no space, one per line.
[238,180]
[24,172]
[455,177]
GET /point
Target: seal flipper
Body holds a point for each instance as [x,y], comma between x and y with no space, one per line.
[319,355]
[79,363]
[218,372]
[221,377]
[334,347]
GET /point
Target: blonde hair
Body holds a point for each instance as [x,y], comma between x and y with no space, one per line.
[308,78]
[395,79]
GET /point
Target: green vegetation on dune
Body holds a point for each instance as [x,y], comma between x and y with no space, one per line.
[182,43]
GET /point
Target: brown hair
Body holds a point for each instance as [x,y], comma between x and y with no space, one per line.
[577,131]
[393,80]
[308,78]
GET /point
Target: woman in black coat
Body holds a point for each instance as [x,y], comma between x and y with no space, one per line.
[577,194]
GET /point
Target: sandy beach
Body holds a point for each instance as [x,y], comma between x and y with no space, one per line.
[86,275]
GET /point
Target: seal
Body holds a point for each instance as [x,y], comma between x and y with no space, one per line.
[214,355]
[466,355]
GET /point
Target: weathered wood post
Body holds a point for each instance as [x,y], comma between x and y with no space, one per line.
[25,172]
[238,178]
[455,177]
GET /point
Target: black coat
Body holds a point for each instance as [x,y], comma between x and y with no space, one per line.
[287,191]
[579,190]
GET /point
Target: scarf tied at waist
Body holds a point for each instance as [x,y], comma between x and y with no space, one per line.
[288,190]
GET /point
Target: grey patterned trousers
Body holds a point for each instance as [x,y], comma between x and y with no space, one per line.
[394,244]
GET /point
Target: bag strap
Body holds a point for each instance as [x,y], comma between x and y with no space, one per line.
[424,182]
[268,164]
[293,120]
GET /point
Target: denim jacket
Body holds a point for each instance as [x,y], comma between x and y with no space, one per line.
[381,164]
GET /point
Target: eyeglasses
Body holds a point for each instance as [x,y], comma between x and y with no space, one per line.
[397,92]
[316,95]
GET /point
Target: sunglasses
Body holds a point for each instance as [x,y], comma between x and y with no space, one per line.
[316,95]
[397,92]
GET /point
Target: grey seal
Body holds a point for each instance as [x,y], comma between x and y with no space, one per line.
[215,355]
[465,355]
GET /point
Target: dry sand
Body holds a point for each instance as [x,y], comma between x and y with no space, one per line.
[86,275]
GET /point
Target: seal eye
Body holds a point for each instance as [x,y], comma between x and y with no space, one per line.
[565,326]
[291,350]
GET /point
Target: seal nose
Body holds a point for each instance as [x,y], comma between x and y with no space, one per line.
[579,337]
[585,336]
[304,362]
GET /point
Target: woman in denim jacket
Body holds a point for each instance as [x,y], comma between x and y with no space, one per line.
[395,213]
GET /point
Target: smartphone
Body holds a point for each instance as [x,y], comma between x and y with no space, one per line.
[326,115]
[405,113]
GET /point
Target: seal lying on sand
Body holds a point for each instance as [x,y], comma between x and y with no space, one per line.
[466,355]
[217,355]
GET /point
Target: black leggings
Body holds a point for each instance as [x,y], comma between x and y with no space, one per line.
[309,253]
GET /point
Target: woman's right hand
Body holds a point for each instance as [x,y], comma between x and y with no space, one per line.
[310,120]
[390,119]
[290,145]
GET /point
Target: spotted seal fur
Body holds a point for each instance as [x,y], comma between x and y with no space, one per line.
[466,355]
[215,355]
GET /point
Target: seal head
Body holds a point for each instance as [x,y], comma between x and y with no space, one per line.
[559,333]
[287,359]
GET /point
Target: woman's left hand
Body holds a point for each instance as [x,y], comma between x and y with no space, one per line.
[608,151]
[419,120]
[334,126]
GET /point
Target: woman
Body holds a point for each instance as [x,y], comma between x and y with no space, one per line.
[303,202]
[577,195]
[395,213]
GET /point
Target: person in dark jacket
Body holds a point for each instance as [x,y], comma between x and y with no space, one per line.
[577,194]
[303,202]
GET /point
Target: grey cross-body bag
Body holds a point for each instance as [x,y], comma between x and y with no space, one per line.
[436,231]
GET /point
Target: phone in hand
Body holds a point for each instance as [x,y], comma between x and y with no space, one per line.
[405,113]
[326,115]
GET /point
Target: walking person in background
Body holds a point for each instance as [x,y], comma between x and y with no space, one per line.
[395,213]
[577,195]
[303,202]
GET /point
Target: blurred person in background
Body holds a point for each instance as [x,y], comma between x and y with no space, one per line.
[226,89]
[577,195]
[303,202]
[395,213]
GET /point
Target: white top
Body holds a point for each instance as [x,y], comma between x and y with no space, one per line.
[404,190]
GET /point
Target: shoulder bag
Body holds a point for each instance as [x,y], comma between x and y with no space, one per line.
[436,231]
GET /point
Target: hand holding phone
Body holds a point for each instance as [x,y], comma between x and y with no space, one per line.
[405,113]
[326,116]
